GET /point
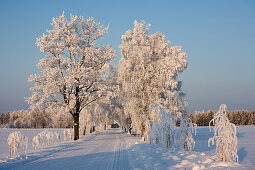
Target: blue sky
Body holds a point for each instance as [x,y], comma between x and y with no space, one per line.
[217,35]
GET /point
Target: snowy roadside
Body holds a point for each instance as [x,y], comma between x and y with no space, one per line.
[155,156]
[30,133]
[114,149]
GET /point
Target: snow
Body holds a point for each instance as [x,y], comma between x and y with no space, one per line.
[115,149]
[17,142]
[224,136]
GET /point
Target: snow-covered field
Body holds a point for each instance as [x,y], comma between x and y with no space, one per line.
[114,149]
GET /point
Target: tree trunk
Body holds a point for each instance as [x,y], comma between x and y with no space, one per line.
[105,126]
[143,131]
[10,150]
[84,131]
[91,130]
[76,114]
[129,130]
[76,128]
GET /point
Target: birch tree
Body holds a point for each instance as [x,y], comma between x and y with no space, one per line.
[73,69]
[224,136]
[148,72]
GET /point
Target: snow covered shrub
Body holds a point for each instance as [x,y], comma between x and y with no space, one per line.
[224,136]
[57,135]
[49,137]
[36,142]
[165,131]
[185,138]
[68,135]
[17,142]
[45,138]
[39,140]
[153,133]
[167,125]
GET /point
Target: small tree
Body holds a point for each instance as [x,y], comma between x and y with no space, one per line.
[17,142]
[164,130]
[224,136]
[185,139]
[72,72]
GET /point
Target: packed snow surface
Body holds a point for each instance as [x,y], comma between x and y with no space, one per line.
[114,149]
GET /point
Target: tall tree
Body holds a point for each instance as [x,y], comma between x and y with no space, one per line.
[148,72]
[73,69]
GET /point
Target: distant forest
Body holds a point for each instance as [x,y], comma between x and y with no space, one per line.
[237,117]
[26,119]
[34,119]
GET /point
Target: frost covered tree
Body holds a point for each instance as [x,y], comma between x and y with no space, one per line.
[185,135]
[67,134]
[17,142]
[106,111]
[224,136]
[148,73]
[164,130]
[73,69]
[45,138]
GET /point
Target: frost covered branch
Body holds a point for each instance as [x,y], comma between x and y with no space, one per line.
[224,136]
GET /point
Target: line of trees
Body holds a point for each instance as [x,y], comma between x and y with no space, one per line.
[237,117]
[39,119]
[80,86]
[78,76]
[35,119]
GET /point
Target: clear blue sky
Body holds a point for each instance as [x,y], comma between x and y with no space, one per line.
[218,36]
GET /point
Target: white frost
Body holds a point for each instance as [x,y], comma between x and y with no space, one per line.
[17,143]
[224,136]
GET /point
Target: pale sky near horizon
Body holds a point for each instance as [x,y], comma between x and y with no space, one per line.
[218,37]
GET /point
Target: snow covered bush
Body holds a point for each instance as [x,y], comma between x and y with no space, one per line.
[166,126]
[49,137]
[224,136]
[153,133]
[36,142]
[45,138]
[165,131]
[39,140]
[57,135]
[68,135]
[185,136]
[17,143]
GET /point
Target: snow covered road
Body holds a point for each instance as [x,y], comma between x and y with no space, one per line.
[113,149]
[101,150]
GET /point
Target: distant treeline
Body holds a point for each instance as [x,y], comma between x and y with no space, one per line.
[38,119]
[237,117]
[34,119]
